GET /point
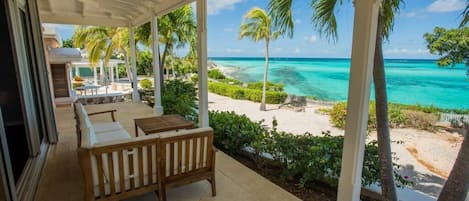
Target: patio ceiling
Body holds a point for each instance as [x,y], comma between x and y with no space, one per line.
[120,13]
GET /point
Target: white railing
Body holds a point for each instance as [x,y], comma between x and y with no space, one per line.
[447,117]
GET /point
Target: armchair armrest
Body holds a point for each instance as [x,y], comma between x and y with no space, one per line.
[104,112]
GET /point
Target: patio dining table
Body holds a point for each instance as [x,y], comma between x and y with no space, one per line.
[92,88]
[158,124]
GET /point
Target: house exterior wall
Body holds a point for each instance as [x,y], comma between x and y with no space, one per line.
[37,109]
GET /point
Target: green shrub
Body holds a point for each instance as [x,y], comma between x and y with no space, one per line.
[216,74]
[431,109]
[307,157]
[317,158]
[178,97]
[396,117]
[233,132]
[421,120]
[230,81]
[146,84]
[77,84]
[270,86]
[194,78]
[239,92]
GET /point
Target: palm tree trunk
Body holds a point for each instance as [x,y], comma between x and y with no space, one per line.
[266,70]
[457,186]
[384,143]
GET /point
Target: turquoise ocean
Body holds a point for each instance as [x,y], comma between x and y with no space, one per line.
[409,81]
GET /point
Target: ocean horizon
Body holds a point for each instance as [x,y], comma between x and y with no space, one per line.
[409,81]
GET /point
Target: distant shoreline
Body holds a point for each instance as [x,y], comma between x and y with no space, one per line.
[338,58]
[229,71]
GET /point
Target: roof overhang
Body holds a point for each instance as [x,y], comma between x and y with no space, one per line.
[117,13]
[64,55]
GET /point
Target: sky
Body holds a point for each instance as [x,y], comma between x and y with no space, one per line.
[415,18]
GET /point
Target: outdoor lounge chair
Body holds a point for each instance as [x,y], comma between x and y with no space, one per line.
[298,103]
[116,166]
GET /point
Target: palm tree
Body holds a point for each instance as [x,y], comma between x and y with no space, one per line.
[465,15]
[103,42]
[324,21]
[257,25]
[176,30]
[457,185]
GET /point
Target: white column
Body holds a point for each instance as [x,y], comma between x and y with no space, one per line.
[77,71]
[202,61]
[101,72]
[111,72]
[363,49]
[133,61]
[95,75]
[158,108]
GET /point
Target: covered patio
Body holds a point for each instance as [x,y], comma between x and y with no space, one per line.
[62,179]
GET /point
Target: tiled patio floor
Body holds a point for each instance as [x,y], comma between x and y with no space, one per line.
[62,179]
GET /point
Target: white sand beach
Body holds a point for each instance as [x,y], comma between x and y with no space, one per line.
[427,157]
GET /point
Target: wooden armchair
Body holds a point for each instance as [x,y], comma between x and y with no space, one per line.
[187,157]
[121,169]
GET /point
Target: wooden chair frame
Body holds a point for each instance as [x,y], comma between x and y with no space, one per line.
[98,152]
[196,174]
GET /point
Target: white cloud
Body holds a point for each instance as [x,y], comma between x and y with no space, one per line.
[215,6]
[231,50]
[297,21]
[399,51]
[441,6]
[409,14]
[297,51]
[311,39]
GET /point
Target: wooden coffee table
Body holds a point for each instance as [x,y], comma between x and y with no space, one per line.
[162,123]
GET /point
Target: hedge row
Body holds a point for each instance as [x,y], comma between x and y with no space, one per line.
[307,157]
[398,117]
[239,92]
[270,86]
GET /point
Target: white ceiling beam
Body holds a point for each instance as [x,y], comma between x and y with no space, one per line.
[160,11]
[83,20]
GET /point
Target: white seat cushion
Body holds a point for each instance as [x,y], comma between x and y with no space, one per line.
[111,136]
[107,127]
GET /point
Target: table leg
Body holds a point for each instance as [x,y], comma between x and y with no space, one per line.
[136,130]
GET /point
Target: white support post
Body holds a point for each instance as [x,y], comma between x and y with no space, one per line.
[95,75]
[133,61]
[77,71]
[363,49]
[111,72]
[158,108]
[202,62]
[101,72]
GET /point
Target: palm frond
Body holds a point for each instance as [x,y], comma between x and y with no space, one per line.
[388,11]
[281,14]
[256,25]
[324,19]
[465,15]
